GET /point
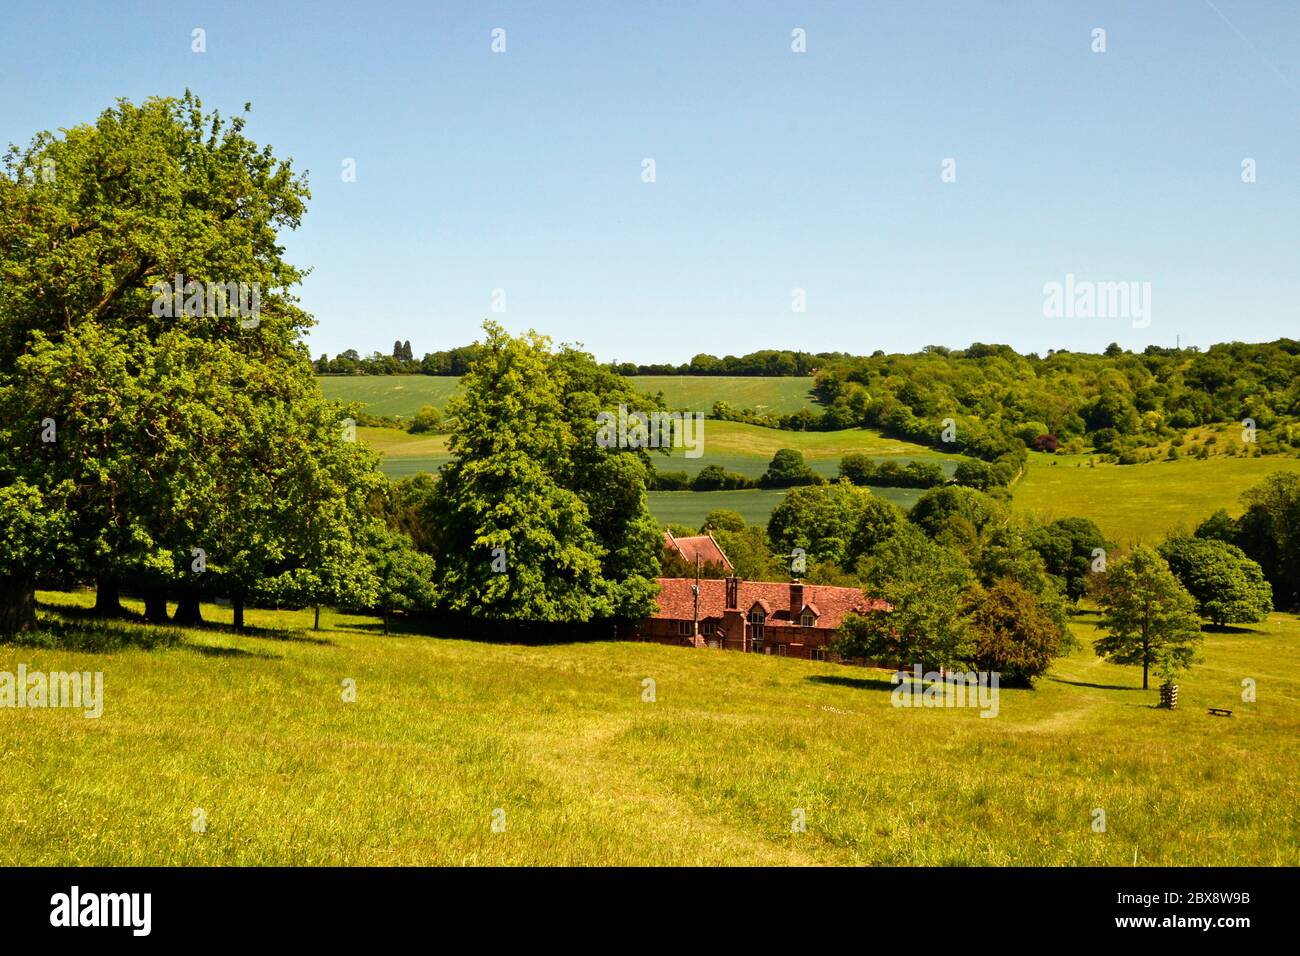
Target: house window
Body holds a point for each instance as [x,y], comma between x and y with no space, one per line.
[684,628]
[816,654]
[780,650]
[756,619]
[807,620]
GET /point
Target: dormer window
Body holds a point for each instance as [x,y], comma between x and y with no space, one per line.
[807,620]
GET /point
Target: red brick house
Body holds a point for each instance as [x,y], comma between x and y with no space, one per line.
[789,620]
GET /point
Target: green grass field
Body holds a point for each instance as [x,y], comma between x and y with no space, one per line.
[743,448]
[252,730]
[698,393]
[402,395]
[1140,503]
[390,395]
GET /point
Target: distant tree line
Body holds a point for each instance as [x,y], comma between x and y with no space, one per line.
[788,469]
[401,361]
[989,401]
[765,362]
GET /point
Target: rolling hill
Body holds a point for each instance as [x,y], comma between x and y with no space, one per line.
[402,395]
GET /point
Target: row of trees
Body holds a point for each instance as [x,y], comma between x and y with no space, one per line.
[765,362]
[402,361]
[788,469]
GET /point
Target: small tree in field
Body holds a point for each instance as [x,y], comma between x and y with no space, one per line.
[1015,635]
[1148,616]
[788,469]
[403,575]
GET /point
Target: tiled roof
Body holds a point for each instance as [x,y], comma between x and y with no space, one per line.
[677,603]
[699,544]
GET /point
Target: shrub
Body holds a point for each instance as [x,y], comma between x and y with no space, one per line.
[717,478]
[427,419]
[788,469]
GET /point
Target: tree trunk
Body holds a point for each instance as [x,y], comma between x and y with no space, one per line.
[17,603]
[316,626]
[385,620]
[187,609]
[238,604]
[1144,673]
[108,601]
[155,606]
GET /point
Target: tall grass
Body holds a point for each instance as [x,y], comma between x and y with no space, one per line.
[253,731]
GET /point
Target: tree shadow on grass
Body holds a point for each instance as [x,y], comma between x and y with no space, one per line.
[77,612]
[208,650]
[95,636]
[82,629]
[395,629]
[278,634]
[1079,683]
[487,632]
[857,683]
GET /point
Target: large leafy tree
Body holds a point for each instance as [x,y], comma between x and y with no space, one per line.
[611,482]
[838,522]
[1269,532]
[403,575]
[1148,617]
[533,514]
[1229,588]
[923,585]
[1068,547]
[196,431]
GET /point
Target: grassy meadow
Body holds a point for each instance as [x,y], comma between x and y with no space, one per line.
[1140,503]
[738,447]
[390,395]
[698,393]
[402,395]
[252,730]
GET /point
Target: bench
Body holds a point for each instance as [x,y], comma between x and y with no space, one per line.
[1220,712]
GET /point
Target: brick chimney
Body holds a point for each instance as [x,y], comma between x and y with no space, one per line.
[796,599]
[733,593]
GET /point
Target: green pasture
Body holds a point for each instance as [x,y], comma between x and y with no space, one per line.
[560,744]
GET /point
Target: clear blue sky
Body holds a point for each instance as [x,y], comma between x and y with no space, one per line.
[775,170]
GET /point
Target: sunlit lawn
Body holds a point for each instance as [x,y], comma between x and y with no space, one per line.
[252,730]
[1141,503]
